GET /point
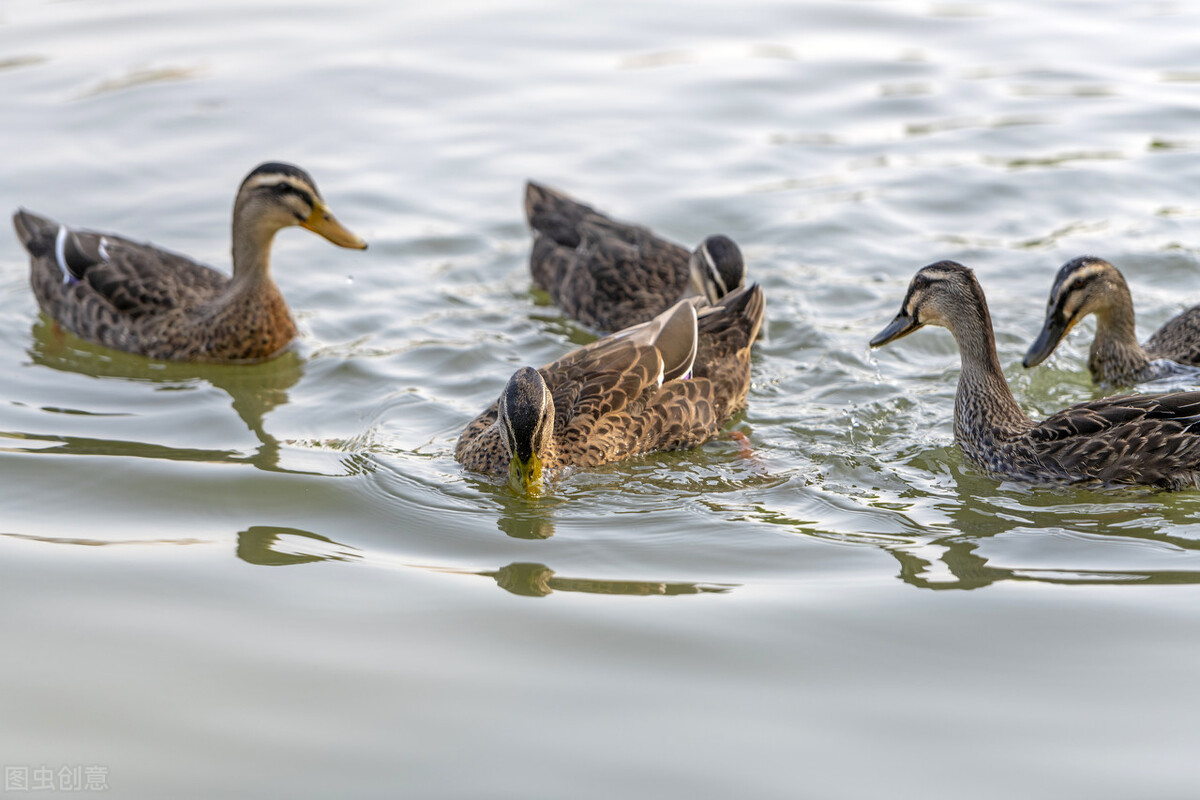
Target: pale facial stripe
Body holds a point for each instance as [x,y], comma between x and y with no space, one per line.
[60,254]
[284,187]
[713,273]
[1081,276]
[273,179]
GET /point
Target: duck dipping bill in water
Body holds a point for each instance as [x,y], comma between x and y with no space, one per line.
[142,299]
[1090,285]
[610,275]
[668,384]
[1151,439]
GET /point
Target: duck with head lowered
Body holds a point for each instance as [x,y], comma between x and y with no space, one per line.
[1090,285]
[142,299]
[1151,439]
[666,384]
[610,275]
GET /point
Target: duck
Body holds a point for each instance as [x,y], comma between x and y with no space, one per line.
[612,275]
[1091,285]
[669,383]
[142,299]
[1149,440]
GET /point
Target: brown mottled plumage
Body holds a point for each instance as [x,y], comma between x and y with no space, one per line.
[138,298]
[1151,439]
[621,396]
[1090,285]
[610,275]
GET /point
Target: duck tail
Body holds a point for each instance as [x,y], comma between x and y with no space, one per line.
[739,313]
[35,232]
[552,213]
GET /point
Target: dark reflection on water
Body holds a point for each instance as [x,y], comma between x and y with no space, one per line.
[981,513]
[938,537]
[265,459]
[255,391]
[522,517]
[526,525]
[970,570]
[538,580]
[282,546]
[84,446]
[272,546]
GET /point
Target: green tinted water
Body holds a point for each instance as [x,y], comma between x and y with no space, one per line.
[275,581]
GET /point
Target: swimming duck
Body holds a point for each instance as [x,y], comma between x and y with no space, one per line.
[610,275]
[1090,285]
[667,384]
[138,298]
[1151,439]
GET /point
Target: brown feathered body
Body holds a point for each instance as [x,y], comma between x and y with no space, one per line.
[1151,439]
[143,299]
[609,403]
[611,275]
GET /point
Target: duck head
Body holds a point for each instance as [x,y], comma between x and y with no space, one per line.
[526,419]
[1084,285]
[716,268]
[939,294]
[276,196]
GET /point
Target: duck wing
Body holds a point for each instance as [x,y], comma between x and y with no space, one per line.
[139,279]
[621,410]
[131,278]
[1150,439]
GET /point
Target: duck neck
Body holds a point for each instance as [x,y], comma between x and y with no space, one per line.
[985,412]
[251,252]
[1116,357]
[250,318]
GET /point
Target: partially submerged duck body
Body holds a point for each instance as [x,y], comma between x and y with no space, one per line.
[142,299]
[1090,285]
[611,275]
[1151,439]
[668,384]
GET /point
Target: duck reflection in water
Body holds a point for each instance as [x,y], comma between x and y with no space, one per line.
[255,390]
[538,580]
[272,546]
[956,553]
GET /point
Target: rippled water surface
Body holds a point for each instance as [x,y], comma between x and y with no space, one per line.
[274,581]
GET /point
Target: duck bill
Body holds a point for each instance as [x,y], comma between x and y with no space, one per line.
[322,222]
[901,326]
[525,477]
[1052,333]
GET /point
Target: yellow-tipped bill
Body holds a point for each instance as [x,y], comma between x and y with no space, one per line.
[322,221]
[525,478]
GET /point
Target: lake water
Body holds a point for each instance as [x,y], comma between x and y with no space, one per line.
[274,581]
